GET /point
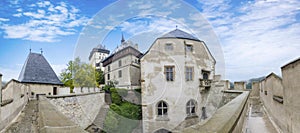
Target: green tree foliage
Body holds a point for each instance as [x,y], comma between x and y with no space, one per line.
[99,77]
[78,74]
[66,76]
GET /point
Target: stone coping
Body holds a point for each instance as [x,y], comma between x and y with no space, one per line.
[52,121]
[225,119]
[5,102]
[73,95]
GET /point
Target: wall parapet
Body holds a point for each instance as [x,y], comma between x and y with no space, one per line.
[72,95]
[227,119]
[56,122]
[6,102]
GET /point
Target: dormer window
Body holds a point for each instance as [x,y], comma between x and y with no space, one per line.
[168,47]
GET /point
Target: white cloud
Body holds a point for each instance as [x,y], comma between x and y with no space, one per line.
[4,19]
[17,15]
[258,37]
[46,22]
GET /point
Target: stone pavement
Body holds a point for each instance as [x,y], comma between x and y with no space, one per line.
[27,121]
[257,120]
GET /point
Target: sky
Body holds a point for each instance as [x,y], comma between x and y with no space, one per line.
[248,38]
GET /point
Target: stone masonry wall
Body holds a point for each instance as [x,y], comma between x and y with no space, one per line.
[81,109]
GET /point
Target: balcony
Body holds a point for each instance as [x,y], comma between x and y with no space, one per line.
[205,82]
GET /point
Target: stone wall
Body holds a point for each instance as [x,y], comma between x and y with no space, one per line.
[16,94]
[255,89]
[291,83]
[240,85]
[82,109]
[229,118]
[272,87]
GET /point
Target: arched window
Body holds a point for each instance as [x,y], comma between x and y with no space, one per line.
[191,108]
[162,109]
[162,131]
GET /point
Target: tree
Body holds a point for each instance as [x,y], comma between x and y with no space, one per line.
[99,77]
[78,74]
[66,76]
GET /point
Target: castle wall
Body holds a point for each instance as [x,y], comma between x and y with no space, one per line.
[272,87]
[15,98]
[291,80]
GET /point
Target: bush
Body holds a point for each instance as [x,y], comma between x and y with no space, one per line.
[115,97]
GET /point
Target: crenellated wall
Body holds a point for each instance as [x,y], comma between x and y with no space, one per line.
[270,95]
[14,98]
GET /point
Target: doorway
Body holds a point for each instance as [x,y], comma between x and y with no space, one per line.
[54,90]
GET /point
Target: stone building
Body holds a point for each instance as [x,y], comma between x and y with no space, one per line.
[175,71]
[39,76]
[122,67]
[97,55]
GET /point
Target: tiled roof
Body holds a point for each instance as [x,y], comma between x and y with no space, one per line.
[179,34]
[36,69]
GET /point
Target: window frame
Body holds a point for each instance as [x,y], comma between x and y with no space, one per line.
[120,73]
[189,75]
[162,108]
[169,47]
[167,78]
[191,48]
[191,108]
[120,63]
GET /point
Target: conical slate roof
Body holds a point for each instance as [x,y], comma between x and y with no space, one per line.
[37,70]
[179,34]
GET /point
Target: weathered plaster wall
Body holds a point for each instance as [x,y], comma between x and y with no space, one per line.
[18,93]
[255,89]
[240,85]
[291,83]
[175,93]
[82,109]
[272,85]
[41,89]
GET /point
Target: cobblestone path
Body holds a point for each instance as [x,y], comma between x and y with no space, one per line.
[27,121]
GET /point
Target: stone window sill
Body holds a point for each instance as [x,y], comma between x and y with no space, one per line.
[162,118]
[191,116]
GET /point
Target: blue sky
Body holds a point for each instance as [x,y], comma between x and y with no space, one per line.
[257,36]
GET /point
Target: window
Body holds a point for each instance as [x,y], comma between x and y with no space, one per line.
[108,68]
[120,73]
[191,108]
[189,73]
[162,109]
[108,76]
[189,48]
[205,74]
[168,47]
[120,63]
[169,72]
